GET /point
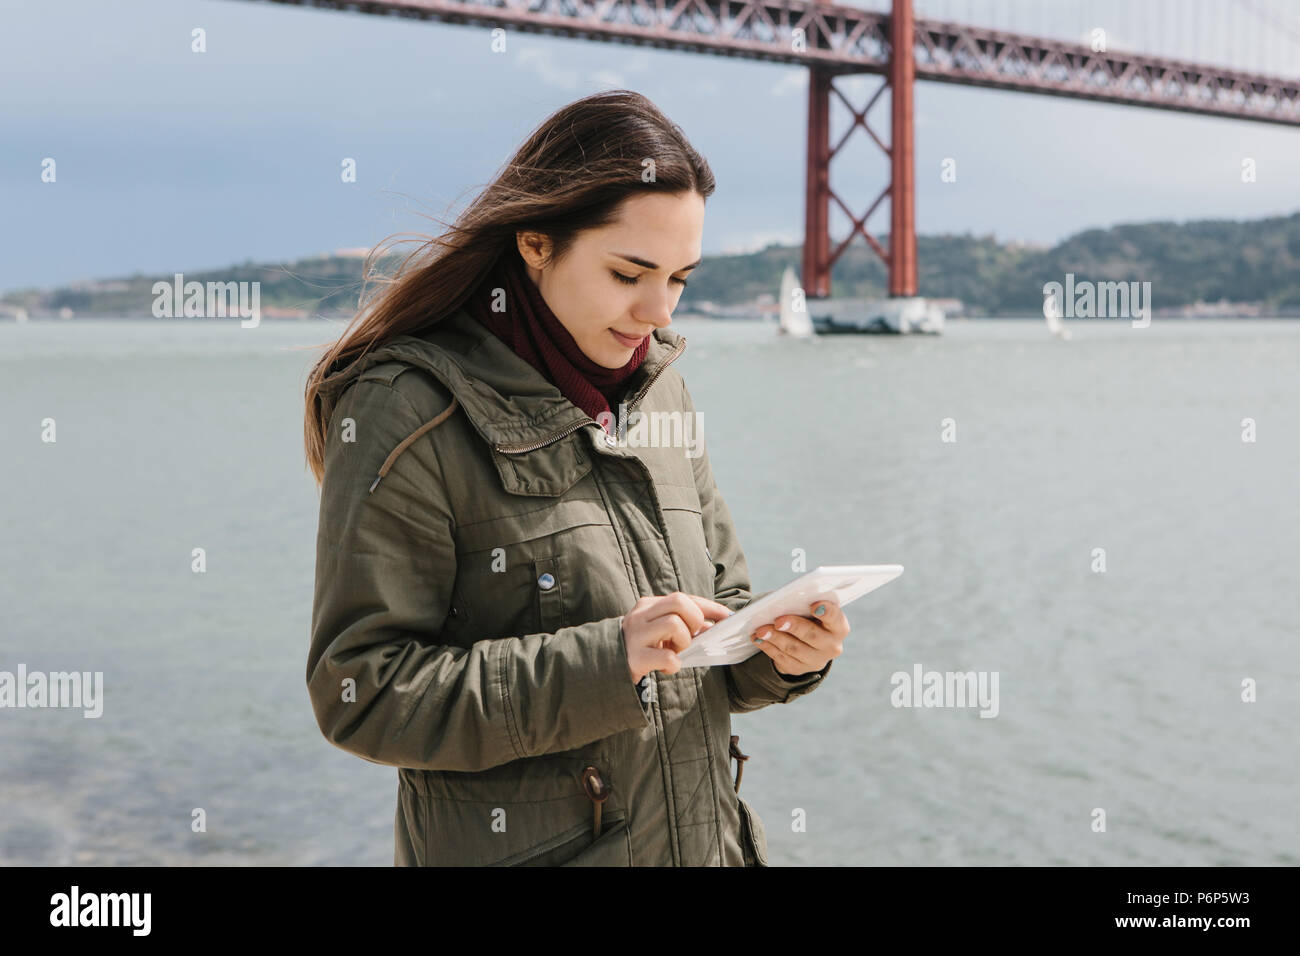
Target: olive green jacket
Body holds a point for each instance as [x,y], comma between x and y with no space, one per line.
[480,539]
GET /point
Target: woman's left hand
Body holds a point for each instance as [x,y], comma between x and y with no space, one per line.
[801,645]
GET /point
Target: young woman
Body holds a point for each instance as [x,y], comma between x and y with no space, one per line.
[502,582]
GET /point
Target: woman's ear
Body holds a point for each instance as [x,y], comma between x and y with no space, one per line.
[534,248]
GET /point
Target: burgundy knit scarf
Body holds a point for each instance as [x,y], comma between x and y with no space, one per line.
[531,329]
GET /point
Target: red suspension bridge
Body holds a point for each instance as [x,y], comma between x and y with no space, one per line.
[833,40]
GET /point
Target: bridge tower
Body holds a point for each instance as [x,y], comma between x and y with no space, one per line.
[900,258]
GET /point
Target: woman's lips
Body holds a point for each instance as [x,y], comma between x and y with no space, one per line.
[627,341]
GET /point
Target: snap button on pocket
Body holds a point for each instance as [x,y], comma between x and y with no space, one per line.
[610,440]
[547,597]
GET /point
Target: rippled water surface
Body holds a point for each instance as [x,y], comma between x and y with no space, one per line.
[1119,690]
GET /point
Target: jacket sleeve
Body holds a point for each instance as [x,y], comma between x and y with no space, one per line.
[753,683]
[382,685]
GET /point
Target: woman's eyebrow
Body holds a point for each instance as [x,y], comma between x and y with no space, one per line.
[646,263]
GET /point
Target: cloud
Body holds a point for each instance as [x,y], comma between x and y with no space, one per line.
[608,79]
[541,61]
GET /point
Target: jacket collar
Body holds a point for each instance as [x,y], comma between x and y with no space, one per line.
[510,403]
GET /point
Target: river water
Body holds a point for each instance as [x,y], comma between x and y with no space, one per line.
[1119,690]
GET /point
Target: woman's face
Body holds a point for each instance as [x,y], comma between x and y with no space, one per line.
[619,283]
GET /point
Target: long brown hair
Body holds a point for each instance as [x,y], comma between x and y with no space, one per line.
[571,174]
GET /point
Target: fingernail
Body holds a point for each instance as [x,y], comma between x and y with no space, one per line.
[757,638]
[820,610]
[786,626]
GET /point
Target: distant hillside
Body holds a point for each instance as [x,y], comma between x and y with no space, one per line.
[1207,262]
[326,285]
[1210,261]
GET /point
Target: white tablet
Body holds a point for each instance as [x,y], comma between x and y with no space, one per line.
[727,641]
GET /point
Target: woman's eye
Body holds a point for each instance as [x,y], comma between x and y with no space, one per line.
[631,280]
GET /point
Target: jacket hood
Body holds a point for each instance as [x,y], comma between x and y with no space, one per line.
[510,403]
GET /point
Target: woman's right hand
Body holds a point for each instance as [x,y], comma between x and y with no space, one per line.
[658,627]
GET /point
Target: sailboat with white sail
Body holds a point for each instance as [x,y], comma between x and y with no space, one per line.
[794,309]
[1055,319]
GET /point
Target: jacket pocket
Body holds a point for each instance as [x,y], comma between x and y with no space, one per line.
[575,847]
[753,836]
[612,848]
[539,571]
[496,596]
[530,812]
[504,832]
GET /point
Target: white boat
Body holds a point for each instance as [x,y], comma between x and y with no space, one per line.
[794,309]
[902,315]
[1055,319]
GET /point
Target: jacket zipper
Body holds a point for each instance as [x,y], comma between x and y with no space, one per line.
[590,774]
[533,446]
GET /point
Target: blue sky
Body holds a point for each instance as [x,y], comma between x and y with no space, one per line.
[173,161]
